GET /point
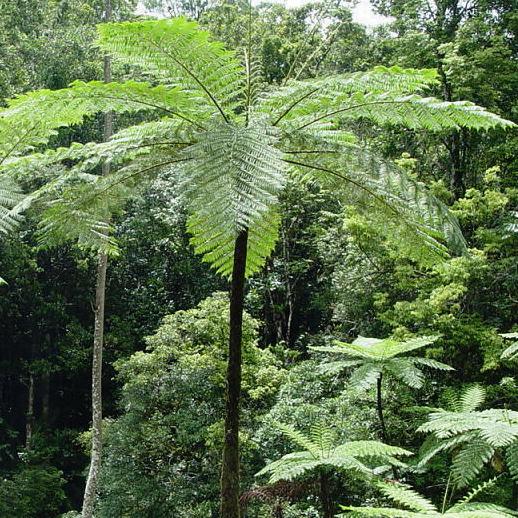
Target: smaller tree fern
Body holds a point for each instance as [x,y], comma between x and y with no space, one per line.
[321,455]
[412,505]
[372,358]
[474,437]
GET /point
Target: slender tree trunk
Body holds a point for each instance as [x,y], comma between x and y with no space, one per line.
[97,357]
[384,436]
[45,398]
[29,422]
[230,466]
[325,497]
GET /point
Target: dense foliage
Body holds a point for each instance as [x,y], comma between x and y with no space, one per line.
[376,205]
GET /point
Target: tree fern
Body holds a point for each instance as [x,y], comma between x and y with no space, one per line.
[234,161]
[383,356]
[473,437]
[372,359]
[321,451]
[412,505]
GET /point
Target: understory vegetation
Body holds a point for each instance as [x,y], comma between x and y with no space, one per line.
[258,261]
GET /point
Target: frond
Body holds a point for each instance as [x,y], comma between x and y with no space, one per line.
[406,497]
[411,111]
[371,449]
[330,368]
[178,52]
[10,197]
[499,434]
[231,179]
[394,348]
[137,141]
[405,370]
[323,437]
[417,222]
[69,219]
[432,364]
[299,98]
[470,460]
[511,459]
[481,509]
[511,352]
[79,206]
[31,119]
[474,492]
[433,446]
[471,399]
[290,466]
[299,439]
[365,376]
[447,424]
[379,512]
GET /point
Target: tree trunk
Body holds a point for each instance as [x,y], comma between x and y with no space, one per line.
[29,423]
[45,397]
[325,497]
[97,357]
[384,436]
[97,417]
[230,466]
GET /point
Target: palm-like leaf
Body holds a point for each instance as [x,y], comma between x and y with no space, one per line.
[474,437]
[416,506]
[372,357]
[321,451]
[243,170]
[511,352]
[180,53]
[233,169]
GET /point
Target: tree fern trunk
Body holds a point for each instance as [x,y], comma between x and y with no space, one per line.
[325,497]
[384,436]
[230,468]
[97,356]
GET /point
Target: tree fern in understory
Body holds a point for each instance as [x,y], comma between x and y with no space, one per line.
[232,147]
[473,437]
[410,504]
[371,359]
[321,455]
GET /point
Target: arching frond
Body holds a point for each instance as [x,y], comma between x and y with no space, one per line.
[298,98]
[32,118]
[231,180]
[470,460]
[321,451]
[511,352]
[10,197]
[179,52]
[407,497]
[129,144]
[420,507]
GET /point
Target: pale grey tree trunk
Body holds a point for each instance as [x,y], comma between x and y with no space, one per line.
[97,357]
